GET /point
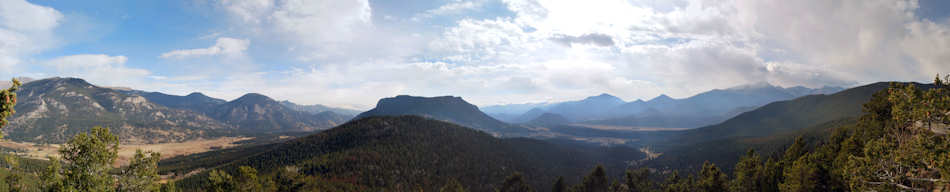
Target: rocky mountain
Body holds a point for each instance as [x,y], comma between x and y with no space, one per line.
[317,108]
[445,108]
[258,113]
[52,110]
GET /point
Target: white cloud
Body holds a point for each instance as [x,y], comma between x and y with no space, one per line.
[452,8]
[317,29]
[99,69]
[633,49]
[223,46]
[25,29]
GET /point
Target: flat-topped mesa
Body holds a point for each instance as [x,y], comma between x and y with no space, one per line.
[446,108]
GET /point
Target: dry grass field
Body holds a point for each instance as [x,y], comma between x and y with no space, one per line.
[168,150]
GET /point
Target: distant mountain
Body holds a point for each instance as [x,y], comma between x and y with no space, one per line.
[590,108]
[548,119]
[53,110]
[196,102]
[530,115]
[445,108]
[513,108]
[706,108]
[790,115]
[258,113]
[663,111]
[317,108]
[403,153]
[768,129]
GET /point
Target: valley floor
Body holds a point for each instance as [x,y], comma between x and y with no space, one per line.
[126,151]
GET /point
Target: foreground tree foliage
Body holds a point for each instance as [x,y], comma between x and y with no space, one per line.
[142,173]
[86,161]
[8,102]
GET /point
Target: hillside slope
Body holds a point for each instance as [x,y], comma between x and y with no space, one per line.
[405,152]
[52,110]
[258,113]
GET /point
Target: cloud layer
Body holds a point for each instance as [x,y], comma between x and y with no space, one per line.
[512,51]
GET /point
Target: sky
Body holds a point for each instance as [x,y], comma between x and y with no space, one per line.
[350,53]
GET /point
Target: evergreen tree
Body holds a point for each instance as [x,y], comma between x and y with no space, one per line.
[452,186]
[796,150]
[712,179]
[169,187]
[142,172]
[220,181]
[14,182]
[52,179]
[674,183]
[596,181]
[559,185]
[8,102]
[805,175]
[748,173]
[771,175]
[515,183]
[247,179]
[638,180]
[88,158]
[908,154]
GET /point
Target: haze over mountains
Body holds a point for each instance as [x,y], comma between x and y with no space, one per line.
[663,111]
[54,108]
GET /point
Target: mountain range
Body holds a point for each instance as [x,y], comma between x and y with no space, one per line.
[54,109]
[706,108]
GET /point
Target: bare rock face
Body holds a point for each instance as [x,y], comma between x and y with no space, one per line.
[52,110]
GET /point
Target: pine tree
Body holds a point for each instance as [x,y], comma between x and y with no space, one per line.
[8,102]
[638,180]
[142,172]
[452,186]
[796,150]
[559,185]
[14,182]
[88,158]
[220,181]
[907,154]
[771,175]
[712,179]
[247,179]
[748,173]
[515,183]
[805,175]
[674,183]
[52,179]
[169,187]
[596,181]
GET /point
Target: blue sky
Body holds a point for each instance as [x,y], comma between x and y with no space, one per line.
[351,53]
